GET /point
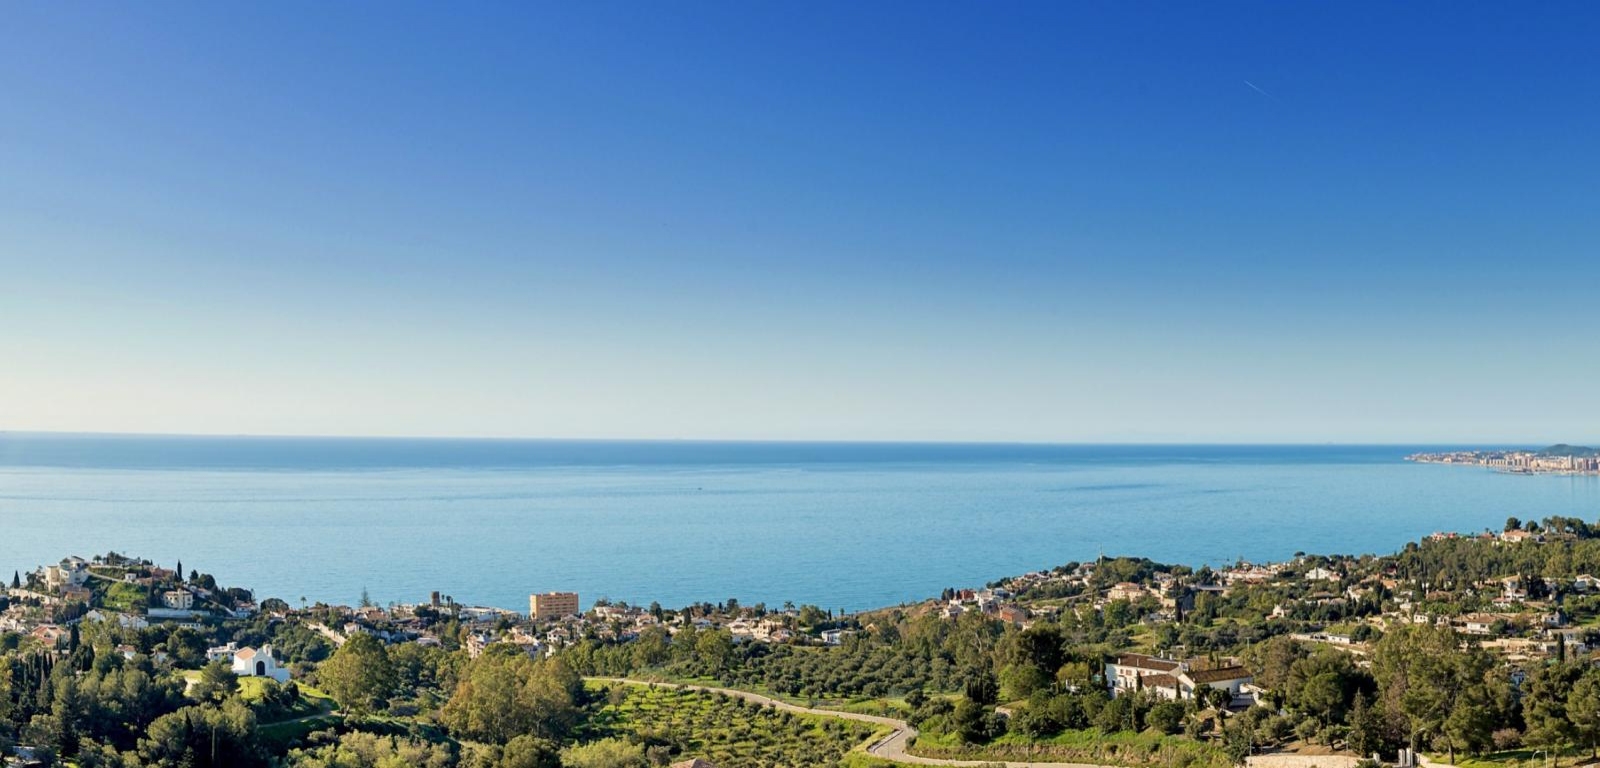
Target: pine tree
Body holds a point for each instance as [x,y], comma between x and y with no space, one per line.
[179,572]
[16,580]
[1366,729]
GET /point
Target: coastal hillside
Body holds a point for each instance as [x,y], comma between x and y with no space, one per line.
[117,662]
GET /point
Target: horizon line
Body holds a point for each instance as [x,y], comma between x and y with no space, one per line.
[766,441]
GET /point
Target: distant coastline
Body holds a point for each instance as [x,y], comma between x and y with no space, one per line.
[1560,459]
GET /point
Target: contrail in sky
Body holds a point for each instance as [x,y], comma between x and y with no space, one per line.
[1256,88]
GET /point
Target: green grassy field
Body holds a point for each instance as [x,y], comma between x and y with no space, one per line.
[728,731]
[251,688]
[117,595]
[312,700]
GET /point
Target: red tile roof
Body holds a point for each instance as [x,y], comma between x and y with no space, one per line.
[1220,674]
[1142,661]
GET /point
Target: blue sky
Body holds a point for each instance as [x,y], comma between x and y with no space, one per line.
[920,221]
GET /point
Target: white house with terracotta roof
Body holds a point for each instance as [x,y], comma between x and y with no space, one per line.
[1126,590]
[1128,672]
[258,662]
[1519,536]
[1171,678]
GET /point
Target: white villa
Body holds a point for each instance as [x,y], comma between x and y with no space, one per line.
[253,662]
[1321,574]
[72,571]
[1171,678]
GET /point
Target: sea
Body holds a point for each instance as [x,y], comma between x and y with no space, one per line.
[845,526]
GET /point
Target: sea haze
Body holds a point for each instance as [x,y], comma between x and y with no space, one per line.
[842,525]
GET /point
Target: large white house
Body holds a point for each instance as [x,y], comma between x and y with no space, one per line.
[258,662]
[1127,673]
[72,572]
[1171,678]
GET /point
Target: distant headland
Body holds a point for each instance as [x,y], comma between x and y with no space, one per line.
[1560,459]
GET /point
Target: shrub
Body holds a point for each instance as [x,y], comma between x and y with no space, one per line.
[1166,717]
[1507,738]
[1306,729]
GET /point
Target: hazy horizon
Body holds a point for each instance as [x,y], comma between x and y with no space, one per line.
[1486,444]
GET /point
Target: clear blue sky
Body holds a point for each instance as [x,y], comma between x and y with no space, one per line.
[948,221]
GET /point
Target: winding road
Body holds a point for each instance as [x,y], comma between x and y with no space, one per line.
[891,747]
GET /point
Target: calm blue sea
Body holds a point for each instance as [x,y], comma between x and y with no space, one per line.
[837,524]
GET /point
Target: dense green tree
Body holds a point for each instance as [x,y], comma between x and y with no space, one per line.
[504,694]
[714,648]
[811,616]
[975,724]
[204,737]
[1019,681]
[186,647]
[530,752]
[1166,717]
[1545,700]
[652,647]
[1409,663]
[216,683]
[981,686]
[1583,708]
[360,675]
[1368,734]
[1323,697]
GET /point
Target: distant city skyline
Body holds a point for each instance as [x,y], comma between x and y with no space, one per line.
[1261,223]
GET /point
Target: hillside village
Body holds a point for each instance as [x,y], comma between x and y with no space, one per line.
[1526,595]
[1343,602]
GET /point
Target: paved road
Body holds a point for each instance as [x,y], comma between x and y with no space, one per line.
[891,747]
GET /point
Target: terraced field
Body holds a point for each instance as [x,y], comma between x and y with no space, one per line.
[729,731]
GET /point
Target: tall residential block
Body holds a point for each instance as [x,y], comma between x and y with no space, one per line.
[553,605]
